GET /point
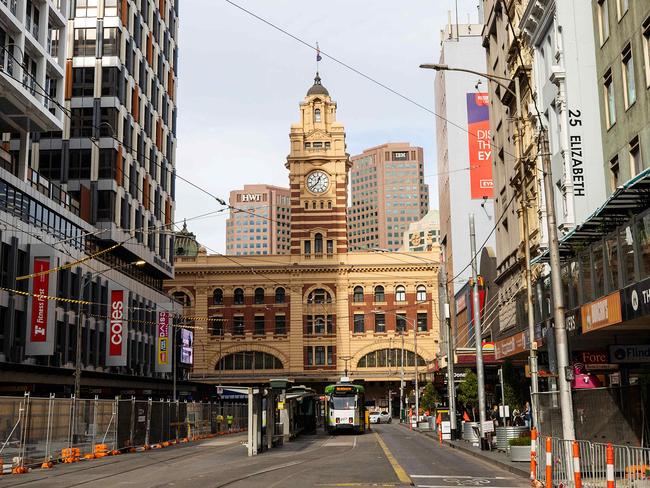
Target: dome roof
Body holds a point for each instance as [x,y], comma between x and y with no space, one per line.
[185,243]
[317,88]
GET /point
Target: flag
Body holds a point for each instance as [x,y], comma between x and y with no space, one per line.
[318,56]
[465,417]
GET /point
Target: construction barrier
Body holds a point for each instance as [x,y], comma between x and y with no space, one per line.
[589,464]
[533,453]
[38,432]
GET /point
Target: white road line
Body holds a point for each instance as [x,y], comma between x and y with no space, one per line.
[449,486]
[458,476]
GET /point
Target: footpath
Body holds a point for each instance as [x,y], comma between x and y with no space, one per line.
[494,457]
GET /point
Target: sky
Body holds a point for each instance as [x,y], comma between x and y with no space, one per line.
[241,82]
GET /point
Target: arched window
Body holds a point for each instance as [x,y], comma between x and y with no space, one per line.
[248,360]
[421,293]
[380,296]
[182,297]
[259,295]
[389,358]
[217,296]
[358,294]
[318,243]
[319,296]
[400,293]
[239,296]
[317,115]
[279,295]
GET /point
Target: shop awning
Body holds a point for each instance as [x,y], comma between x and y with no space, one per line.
[628,200]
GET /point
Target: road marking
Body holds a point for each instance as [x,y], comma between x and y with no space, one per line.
[459,476]
[399,471]
[447,486]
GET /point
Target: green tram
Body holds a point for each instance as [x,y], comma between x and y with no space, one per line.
[345,408]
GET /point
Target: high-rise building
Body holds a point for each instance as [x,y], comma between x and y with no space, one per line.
[259,220]
[320,311]
[87,193]
[423,234]
[464,178]
[388,193]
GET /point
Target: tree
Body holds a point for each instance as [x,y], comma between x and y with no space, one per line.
[429,398]
[468,391]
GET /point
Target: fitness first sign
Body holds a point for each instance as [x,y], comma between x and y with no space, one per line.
[116,335]
[41,312]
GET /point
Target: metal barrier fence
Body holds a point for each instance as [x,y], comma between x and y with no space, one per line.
[34,431]
[630,467]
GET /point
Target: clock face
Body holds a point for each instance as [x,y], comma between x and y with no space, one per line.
[318,181]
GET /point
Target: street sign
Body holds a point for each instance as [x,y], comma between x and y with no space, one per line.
[219,390]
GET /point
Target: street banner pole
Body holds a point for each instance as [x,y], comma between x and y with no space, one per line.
[480,374]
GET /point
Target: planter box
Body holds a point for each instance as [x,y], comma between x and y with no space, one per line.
[519,453]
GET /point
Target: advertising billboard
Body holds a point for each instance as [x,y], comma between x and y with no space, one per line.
[163,343]
[187,344]
[116,336]
[480,148]
[41,311]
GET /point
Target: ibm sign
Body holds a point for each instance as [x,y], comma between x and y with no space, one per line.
[400,155]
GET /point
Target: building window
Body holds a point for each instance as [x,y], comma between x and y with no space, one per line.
[259,325]
[280,325]
[422,322]
[622,6]
[359,324]
[318,243]
[81,122]
[330,246]
[239,296]
[400,293]
[248,360]
[389,358]
[307,248]
[259,296]
[317,115]
[380,322]
[79,164]
[636,163]
[320,355]
[614,172]
[357,296]
[319,295]
[112,8]
[310,356]
[238,325]
[83,83]
[84,42]
[603,20]
[380,296]
[111,44]
[216,323]
[610,104]
[421,293]
[279,295]
[400,323]
[628,77]
[330,355]
[85,8]
[217,296]
[182,298]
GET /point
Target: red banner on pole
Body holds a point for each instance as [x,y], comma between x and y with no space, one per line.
[40,286]
[116,331]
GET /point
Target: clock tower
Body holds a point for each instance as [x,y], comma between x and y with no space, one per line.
[318,175]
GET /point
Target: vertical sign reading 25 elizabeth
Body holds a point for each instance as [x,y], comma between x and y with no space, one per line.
[116,335]
[480,146]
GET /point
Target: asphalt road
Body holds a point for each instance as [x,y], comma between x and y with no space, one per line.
[389,456]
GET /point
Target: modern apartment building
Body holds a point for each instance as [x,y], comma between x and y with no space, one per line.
[505,54]
[388,193]
[87,190]
[423,234]
[259,221]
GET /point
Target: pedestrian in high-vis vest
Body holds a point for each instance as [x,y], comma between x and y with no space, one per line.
[229,421]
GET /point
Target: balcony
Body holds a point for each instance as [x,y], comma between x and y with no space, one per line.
[53,192]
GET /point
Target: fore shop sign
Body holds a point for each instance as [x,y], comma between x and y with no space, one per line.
[116,336]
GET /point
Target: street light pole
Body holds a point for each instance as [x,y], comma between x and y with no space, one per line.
[480,373]
[451,386]
[417,389]
[401,383]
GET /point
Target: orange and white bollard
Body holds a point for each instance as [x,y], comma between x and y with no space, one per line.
[611,483]
[577,478]
[533,453]
[440,434]
[549,463]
